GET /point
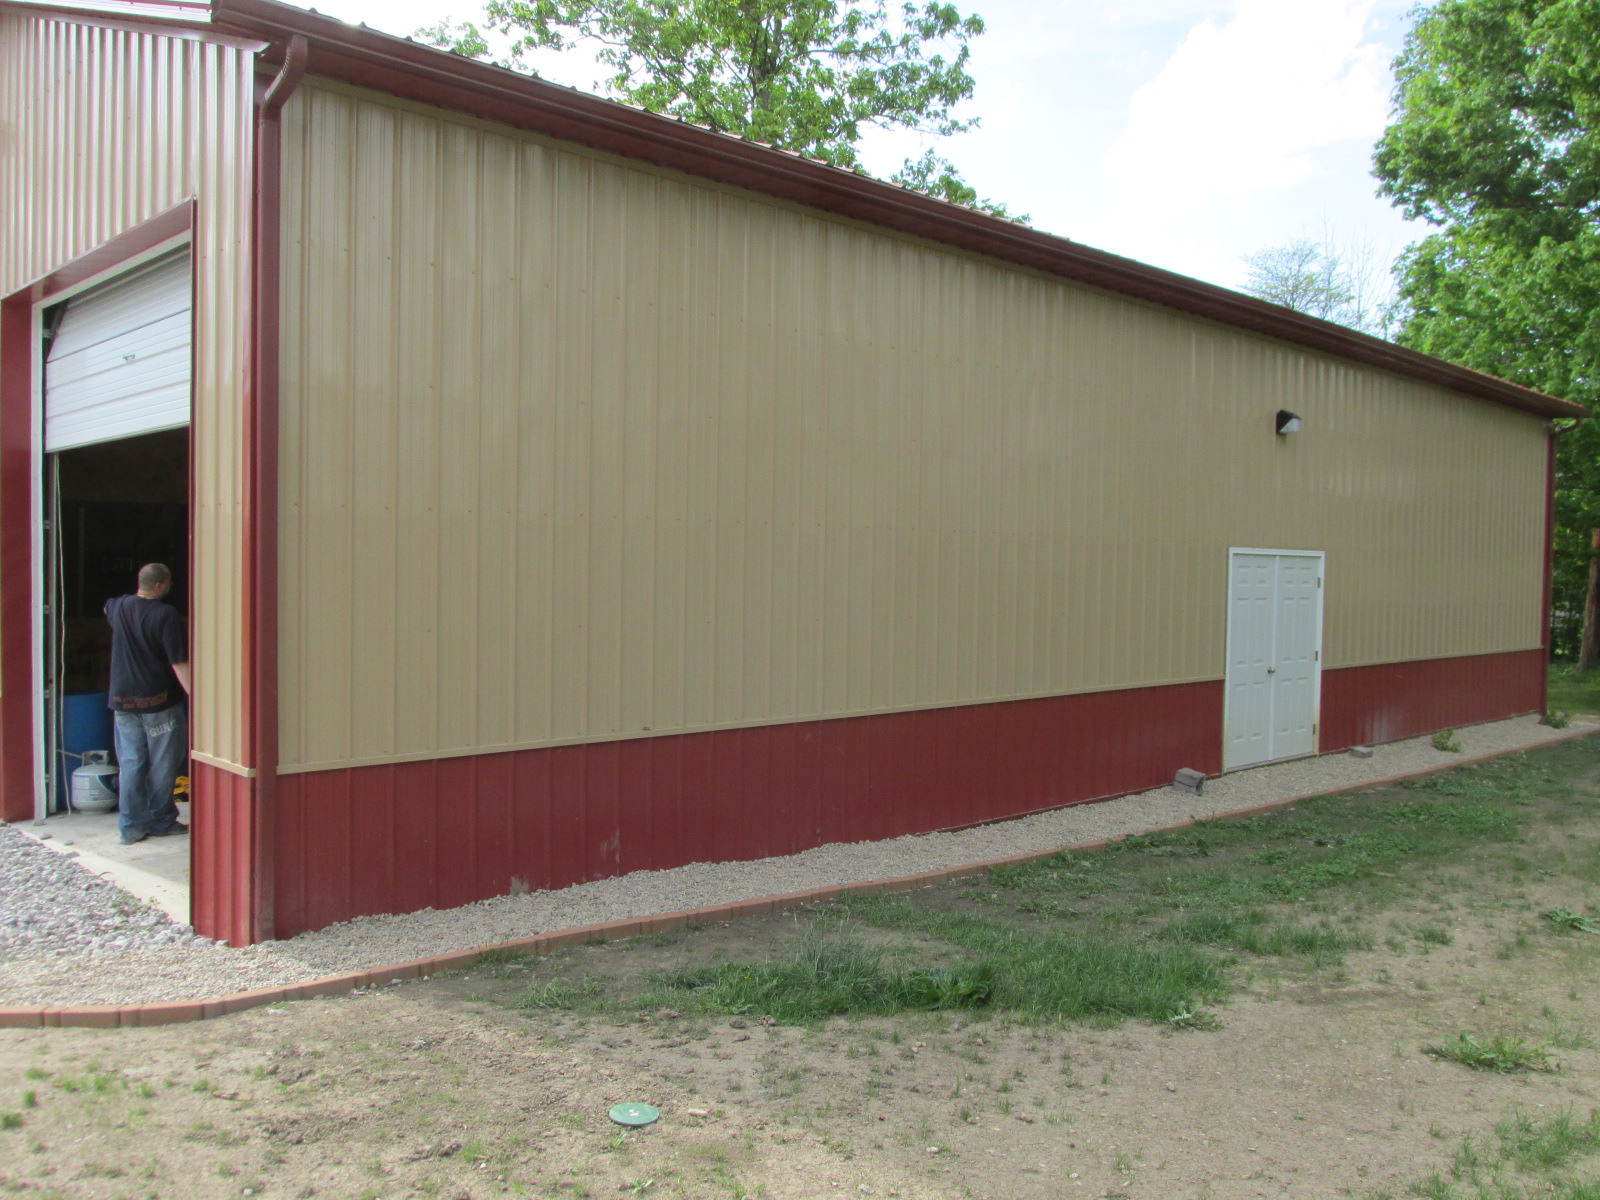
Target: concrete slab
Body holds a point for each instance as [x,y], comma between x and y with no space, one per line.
[155,870]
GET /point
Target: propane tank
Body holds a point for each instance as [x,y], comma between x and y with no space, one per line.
[94,785]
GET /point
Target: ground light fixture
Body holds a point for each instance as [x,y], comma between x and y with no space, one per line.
[1288,422]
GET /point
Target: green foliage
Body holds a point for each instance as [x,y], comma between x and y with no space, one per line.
[1567,921]
[937,176]
[1447,741]
[826,976]
[809,76]
[1556,719]
[1494,140]
[1501,1054]
[561,994]
[1033,976]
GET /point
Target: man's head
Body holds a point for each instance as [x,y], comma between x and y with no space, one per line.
[154,580]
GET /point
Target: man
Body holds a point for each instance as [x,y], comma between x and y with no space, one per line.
[149,682]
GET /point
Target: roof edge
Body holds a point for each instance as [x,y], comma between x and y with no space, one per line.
[368,58]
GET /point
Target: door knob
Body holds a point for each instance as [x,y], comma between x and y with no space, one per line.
[1272,670]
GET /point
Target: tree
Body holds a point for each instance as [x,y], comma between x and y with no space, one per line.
[1495,139]
[1313,278]
[804,75]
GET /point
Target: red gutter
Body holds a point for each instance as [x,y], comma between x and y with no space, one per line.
[370,59]
[261,457]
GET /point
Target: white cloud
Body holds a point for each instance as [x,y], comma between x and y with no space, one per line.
[1245,104]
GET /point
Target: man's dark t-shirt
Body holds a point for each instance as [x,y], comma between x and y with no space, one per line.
[146,639]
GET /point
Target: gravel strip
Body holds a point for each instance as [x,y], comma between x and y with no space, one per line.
[68,937]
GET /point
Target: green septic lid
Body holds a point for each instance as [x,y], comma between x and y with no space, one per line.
[635,1115]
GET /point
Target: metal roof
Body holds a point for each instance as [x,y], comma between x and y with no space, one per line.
[365,57]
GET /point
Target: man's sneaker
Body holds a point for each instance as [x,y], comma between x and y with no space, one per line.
[131,839]
[171,831]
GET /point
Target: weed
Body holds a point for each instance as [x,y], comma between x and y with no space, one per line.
[11,1120]
[1500,1053]
[1566,921]
[500,956]
[1556,719]
[1186,1018]
[1447,741]
[30,1099]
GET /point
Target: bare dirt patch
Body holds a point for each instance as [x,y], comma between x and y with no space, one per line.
[1314,1085]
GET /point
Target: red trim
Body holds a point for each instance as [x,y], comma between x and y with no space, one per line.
[449,831]
[375,60]
[16,559]
[221,889]
[18,352]
[1367,706]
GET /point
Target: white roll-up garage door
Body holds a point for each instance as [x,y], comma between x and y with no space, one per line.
[119,363]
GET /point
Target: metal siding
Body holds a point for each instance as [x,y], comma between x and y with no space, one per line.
[403,836]
[220,854]
[105,128]
[1390,701]
[575,449]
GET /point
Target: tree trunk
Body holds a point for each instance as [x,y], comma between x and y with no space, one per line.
[1589,652]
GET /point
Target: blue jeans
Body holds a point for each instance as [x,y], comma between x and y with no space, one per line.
[152,751]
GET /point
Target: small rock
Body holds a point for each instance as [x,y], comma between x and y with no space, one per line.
[696,1112]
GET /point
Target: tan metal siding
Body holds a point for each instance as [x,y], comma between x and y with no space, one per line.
[100,130]
[575,449]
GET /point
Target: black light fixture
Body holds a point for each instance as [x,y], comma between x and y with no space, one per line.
[1288,422]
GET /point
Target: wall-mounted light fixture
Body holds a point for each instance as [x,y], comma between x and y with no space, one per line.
[1288,422]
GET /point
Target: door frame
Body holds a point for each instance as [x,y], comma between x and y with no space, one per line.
[1316,671]
[22,707]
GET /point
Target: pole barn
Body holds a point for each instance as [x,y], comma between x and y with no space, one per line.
[561,490]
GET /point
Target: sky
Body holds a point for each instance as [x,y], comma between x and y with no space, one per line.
[1182,133]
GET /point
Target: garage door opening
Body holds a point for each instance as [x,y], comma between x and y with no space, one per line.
[116,476]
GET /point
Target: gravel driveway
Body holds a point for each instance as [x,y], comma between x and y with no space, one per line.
[68,937]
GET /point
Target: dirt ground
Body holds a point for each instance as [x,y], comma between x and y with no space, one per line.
[1315,1085]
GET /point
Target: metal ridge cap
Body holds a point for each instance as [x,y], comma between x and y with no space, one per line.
[372,58]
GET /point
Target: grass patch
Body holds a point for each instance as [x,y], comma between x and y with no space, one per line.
[1501,1054]
[1034,977]
[1572,692]
[1526,1157]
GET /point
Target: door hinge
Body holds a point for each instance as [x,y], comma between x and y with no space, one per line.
[1313,727]
[1316,656]
[1319,580]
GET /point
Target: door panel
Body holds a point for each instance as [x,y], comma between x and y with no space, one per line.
[1274,643]
[1249,701]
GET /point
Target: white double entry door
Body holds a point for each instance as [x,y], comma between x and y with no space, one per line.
[1274,676]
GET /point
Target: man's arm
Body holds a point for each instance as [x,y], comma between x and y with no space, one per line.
[181,670]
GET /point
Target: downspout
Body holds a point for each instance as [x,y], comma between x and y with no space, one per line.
[261,528]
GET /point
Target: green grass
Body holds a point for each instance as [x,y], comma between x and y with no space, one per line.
[1550,1158]
[1501,1054]
[1032,976]
[1574,693]
[1151,927]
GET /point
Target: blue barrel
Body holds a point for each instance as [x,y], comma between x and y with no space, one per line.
[86,724]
